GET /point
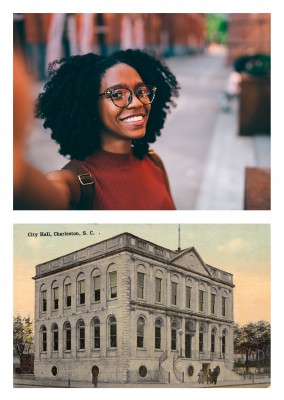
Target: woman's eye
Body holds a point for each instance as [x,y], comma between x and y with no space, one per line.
[143,92]
[117,95]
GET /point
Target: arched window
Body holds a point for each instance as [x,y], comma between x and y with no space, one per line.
[201,299]
[43,299]
[55,295]
[67,292]
[96,285]
[112,282]
[96,333]
[158,333]
[224,334]
[81,289]
[43,335]
[213,301]
[224,305]
[201,339]
[174,336]
[189,332]
[140,332]
[81,334]
[67,336]
[213,340]
[174,290]
[159,286]
[54,332]
[188,296]
[112,332]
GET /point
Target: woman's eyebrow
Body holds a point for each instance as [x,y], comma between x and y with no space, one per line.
[124,85]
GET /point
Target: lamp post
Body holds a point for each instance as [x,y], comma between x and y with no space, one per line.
[220,338]
[180,334]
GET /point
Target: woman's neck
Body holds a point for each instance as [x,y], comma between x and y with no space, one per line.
[116,146]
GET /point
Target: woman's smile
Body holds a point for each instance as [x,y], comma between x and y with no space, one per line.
[128,123]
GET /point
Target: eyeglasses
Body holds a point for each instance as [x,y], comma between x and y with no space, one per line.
[122,96]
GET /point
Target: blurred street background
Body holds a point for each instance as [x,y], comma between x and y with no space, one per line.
[216,143]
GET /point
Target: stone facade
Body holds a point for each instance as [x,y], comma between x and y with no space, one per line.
[137,311]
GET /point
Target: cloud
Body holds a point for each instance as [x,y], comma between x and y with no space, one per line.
[234,246]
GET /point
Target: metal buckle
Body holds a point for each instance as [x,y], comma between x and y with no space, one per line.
[85,183]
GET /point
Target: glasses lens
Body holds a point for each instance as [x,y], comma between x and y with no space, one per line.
[146,94]
[120,96]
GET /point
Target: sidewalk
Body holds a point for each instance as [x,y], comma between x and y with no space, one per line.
[18,382]
[223,183]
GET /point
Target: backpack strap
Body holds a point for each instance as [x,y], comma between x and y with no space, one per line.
[157,160]
[87,185]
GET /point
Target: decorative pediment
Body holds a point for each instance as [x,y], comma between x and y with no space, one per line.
[190,259]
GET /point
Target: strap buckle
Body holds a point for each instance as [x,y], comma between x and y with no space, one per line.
[86,179]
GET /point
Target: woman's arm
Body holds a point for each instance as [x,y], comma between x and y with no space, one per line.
[58,190]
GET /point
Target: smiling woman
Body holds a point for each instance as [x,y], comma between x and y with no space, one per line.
[104,112]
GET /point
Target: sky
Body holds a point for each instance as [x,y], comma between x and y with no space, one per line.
[240,249]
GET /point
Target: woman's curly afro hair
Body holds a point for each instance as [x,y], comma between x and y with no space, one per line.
[69,103]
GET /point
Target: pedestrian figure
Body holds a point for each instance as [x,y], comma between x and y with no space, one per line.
[95,380]
[215,373]
[95,374]
[200,376]
[209,376]
[104,112]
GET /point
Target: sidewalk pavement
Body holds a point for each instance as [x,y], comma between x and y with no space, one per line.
[28,382]
[223,183]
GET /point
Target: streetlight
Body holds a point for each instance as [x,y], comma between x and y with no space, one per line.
[180,334]
[220,338]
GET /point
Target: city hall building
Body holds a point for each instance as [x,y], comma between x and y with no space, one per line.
[132,311]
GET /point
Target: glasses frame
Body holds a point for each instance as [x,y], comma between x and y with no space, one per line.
[109,92]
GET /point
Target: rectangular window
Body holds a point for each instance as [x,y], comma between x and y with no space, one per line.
[212,343]
[43,301]
[158,290]
[81,338]
[68,339]
[55,340]
[113,284]
[44,341]
[140,285]
[81,291]
[188,297]
[201,337]
[97,337]
[97,288]
[174,293]
[140,338]
[201,300]
[55,298]
[157,337]
[68,295]
[113,335]
[174,339]
[213,303]
[224,301]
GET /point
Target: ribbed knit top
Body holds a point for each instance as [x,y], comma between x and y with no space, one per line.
[123,182]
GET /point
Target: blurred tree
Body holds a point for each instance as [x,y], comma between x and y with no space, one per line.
[22,335]
[217,28]
[253,338]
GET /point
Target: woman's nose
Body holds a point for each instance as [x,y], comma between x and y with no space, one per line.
[135,102]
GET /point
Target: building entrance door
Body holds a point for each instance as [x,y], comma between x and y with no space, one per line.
[188,346]
[205,369]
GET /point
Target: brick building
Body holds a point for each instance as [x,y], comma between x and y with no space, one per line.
[248,33]
[135,311]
